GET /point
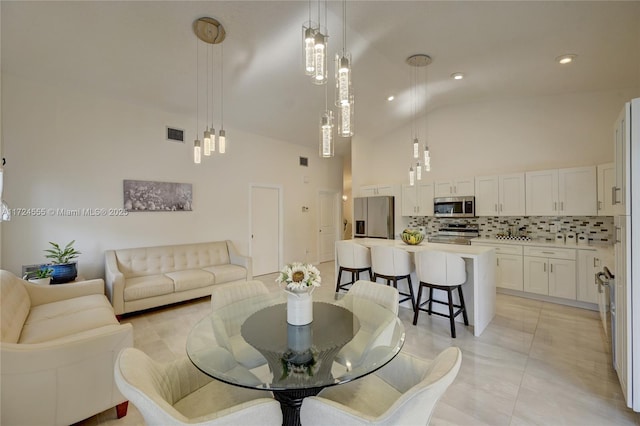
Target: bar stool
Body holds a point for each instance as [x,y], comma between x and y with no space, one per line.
[393,264]
[354,258]
[441,271]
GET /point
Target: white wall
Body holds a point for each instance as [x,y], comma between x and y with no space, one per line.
[487,138]
[71,149]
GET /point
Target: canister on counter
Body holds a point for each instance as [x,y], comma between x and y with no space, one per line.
[570,238]
[560,238]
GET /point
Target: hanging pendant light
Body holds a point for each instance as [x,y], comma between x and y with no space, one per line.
[344,92]
[326,130]
[320,50]
[415,62]
[211,32]
[222,136]
[309,31]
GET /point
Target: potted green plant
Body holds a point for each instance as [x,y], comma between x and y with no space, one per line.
[64,270]
[40,276]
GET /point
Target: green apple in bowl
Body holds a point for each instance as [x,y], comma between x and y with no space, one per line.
[412,236]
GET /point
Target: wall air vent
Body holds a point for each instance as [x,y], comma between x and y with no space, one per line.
[304,161]
[175,135]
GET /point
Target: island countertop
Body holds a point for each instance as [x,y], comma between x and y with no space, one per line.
[480,287]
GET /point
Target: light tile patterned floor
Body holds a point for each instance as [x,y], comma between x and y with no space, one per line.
[537,363]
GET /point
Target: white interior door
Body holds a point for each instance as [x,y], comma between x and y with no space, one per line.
[266,231]
[328,225]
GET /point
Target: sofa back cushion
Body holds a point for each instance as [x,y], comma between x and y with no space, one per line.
[138,262]
[15,305]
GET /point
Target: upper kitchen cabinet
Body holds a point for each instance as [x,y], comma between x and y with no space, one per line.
[417,200]
[375,190]
[565,192]
[606,181]
[621,159]
[502,195]
[455,188]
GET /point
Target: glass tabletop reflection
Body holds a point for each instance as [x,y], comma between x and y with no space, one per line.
[249,343]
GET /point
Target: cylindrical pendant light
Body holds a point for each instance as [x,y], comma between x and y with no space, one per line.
[326,134]
[412,176]
[197,156]
[309,30]
[427,159]
[418,171]
[345,125]
[320,54]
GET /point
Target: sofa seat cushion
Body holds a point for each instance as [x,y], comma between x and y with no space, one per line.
[147,286]
[67,317]
[190,279]
[227,273]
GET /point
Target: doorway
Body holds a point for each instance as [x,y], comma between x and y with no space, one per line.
[266,228]
[328,224]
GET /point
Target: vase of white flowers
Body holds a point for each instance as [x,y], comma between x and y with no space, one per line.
[299,281]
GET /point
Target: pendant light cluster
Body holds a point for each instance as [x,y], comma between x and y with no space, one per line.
[315,52]
[210,31]
[420,159]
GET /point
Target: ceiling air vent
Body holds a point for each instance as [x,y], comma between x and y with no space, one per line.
[175,135]
[304,161]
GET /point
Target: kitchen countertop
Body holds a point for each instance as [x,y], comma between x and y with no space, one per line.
[544,243]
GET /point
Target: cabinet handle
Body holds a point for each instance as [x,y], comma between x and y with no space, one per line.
[451,190]
[595,262]
[501,207]
[561,205]
[496,207]
[555,206]
[617,233]
[497,262]
[599,205]
[551,268]
[613,196]
[548,252]
[544,267]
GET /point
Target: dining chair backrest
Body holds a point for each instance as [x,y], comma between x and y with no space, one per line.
[226,294]
[383,295]
[352,255]
[440,268]
[391,261]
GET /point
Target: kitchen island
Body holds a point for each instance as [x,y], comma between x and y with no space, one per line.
[479,290]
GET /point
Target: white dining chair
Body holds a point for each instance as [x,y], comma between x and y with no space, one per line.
[393,264]
[403,392]
[228,334]
[353,258]
[441,271]
[177,393]
[381,294]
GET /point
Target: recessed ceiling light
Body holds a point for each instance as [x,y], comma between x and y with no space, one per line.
[390,98]
[566,59]
[457,76]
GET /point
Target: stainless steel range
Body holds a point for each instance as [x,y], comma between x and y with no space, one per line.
[456,233]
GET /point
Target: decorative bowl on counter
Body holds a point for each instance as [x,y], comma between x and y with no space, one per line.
[412,236]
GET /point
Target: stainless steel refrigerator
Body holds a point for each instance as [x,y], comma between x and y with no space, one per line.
[374,217]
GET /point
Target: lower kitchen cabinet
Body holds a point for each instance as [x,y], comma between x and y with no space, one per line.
[509,271]
[588,265]
[550,271]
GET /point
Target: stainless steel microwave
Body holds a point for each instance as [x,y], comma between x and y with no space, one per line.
[454,207]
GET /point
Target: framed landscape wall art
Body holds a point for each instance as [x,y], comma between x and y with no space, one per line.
[147,196]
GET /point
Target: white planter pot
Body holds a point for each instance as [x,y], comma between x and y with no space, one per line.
[42,281]
[299,307]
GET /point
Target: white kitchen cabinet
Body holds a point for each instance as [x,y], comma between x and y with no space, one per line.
[550,271]
[566,192]
[464,187]
[508,264]
[606,181]
[502,195]
[577,191]
[375,190]
[621,159]
[589,264]
[417,200]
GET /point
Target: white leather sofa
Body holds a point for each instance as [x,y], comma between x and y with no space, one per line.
[59,345]
[143,278]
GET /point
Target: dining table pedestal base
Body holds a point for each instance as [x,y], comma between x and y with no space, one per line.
[290,403]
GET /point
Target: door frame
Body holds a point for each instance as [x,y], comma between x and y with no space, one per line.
[337,214]
[280,219]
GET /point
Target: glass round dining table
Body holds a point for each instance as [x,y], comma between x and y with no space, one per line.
[250,344]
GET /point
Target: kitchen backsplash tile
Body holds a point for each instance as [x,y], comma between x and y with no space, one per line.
[599,229]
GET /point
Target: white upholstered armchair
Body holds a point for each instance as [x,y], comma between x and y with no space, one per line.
[58,347]
[177,393]
[403,392]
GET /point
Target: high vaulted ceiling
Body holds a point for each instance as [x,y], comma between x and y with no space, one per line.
[145,52]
